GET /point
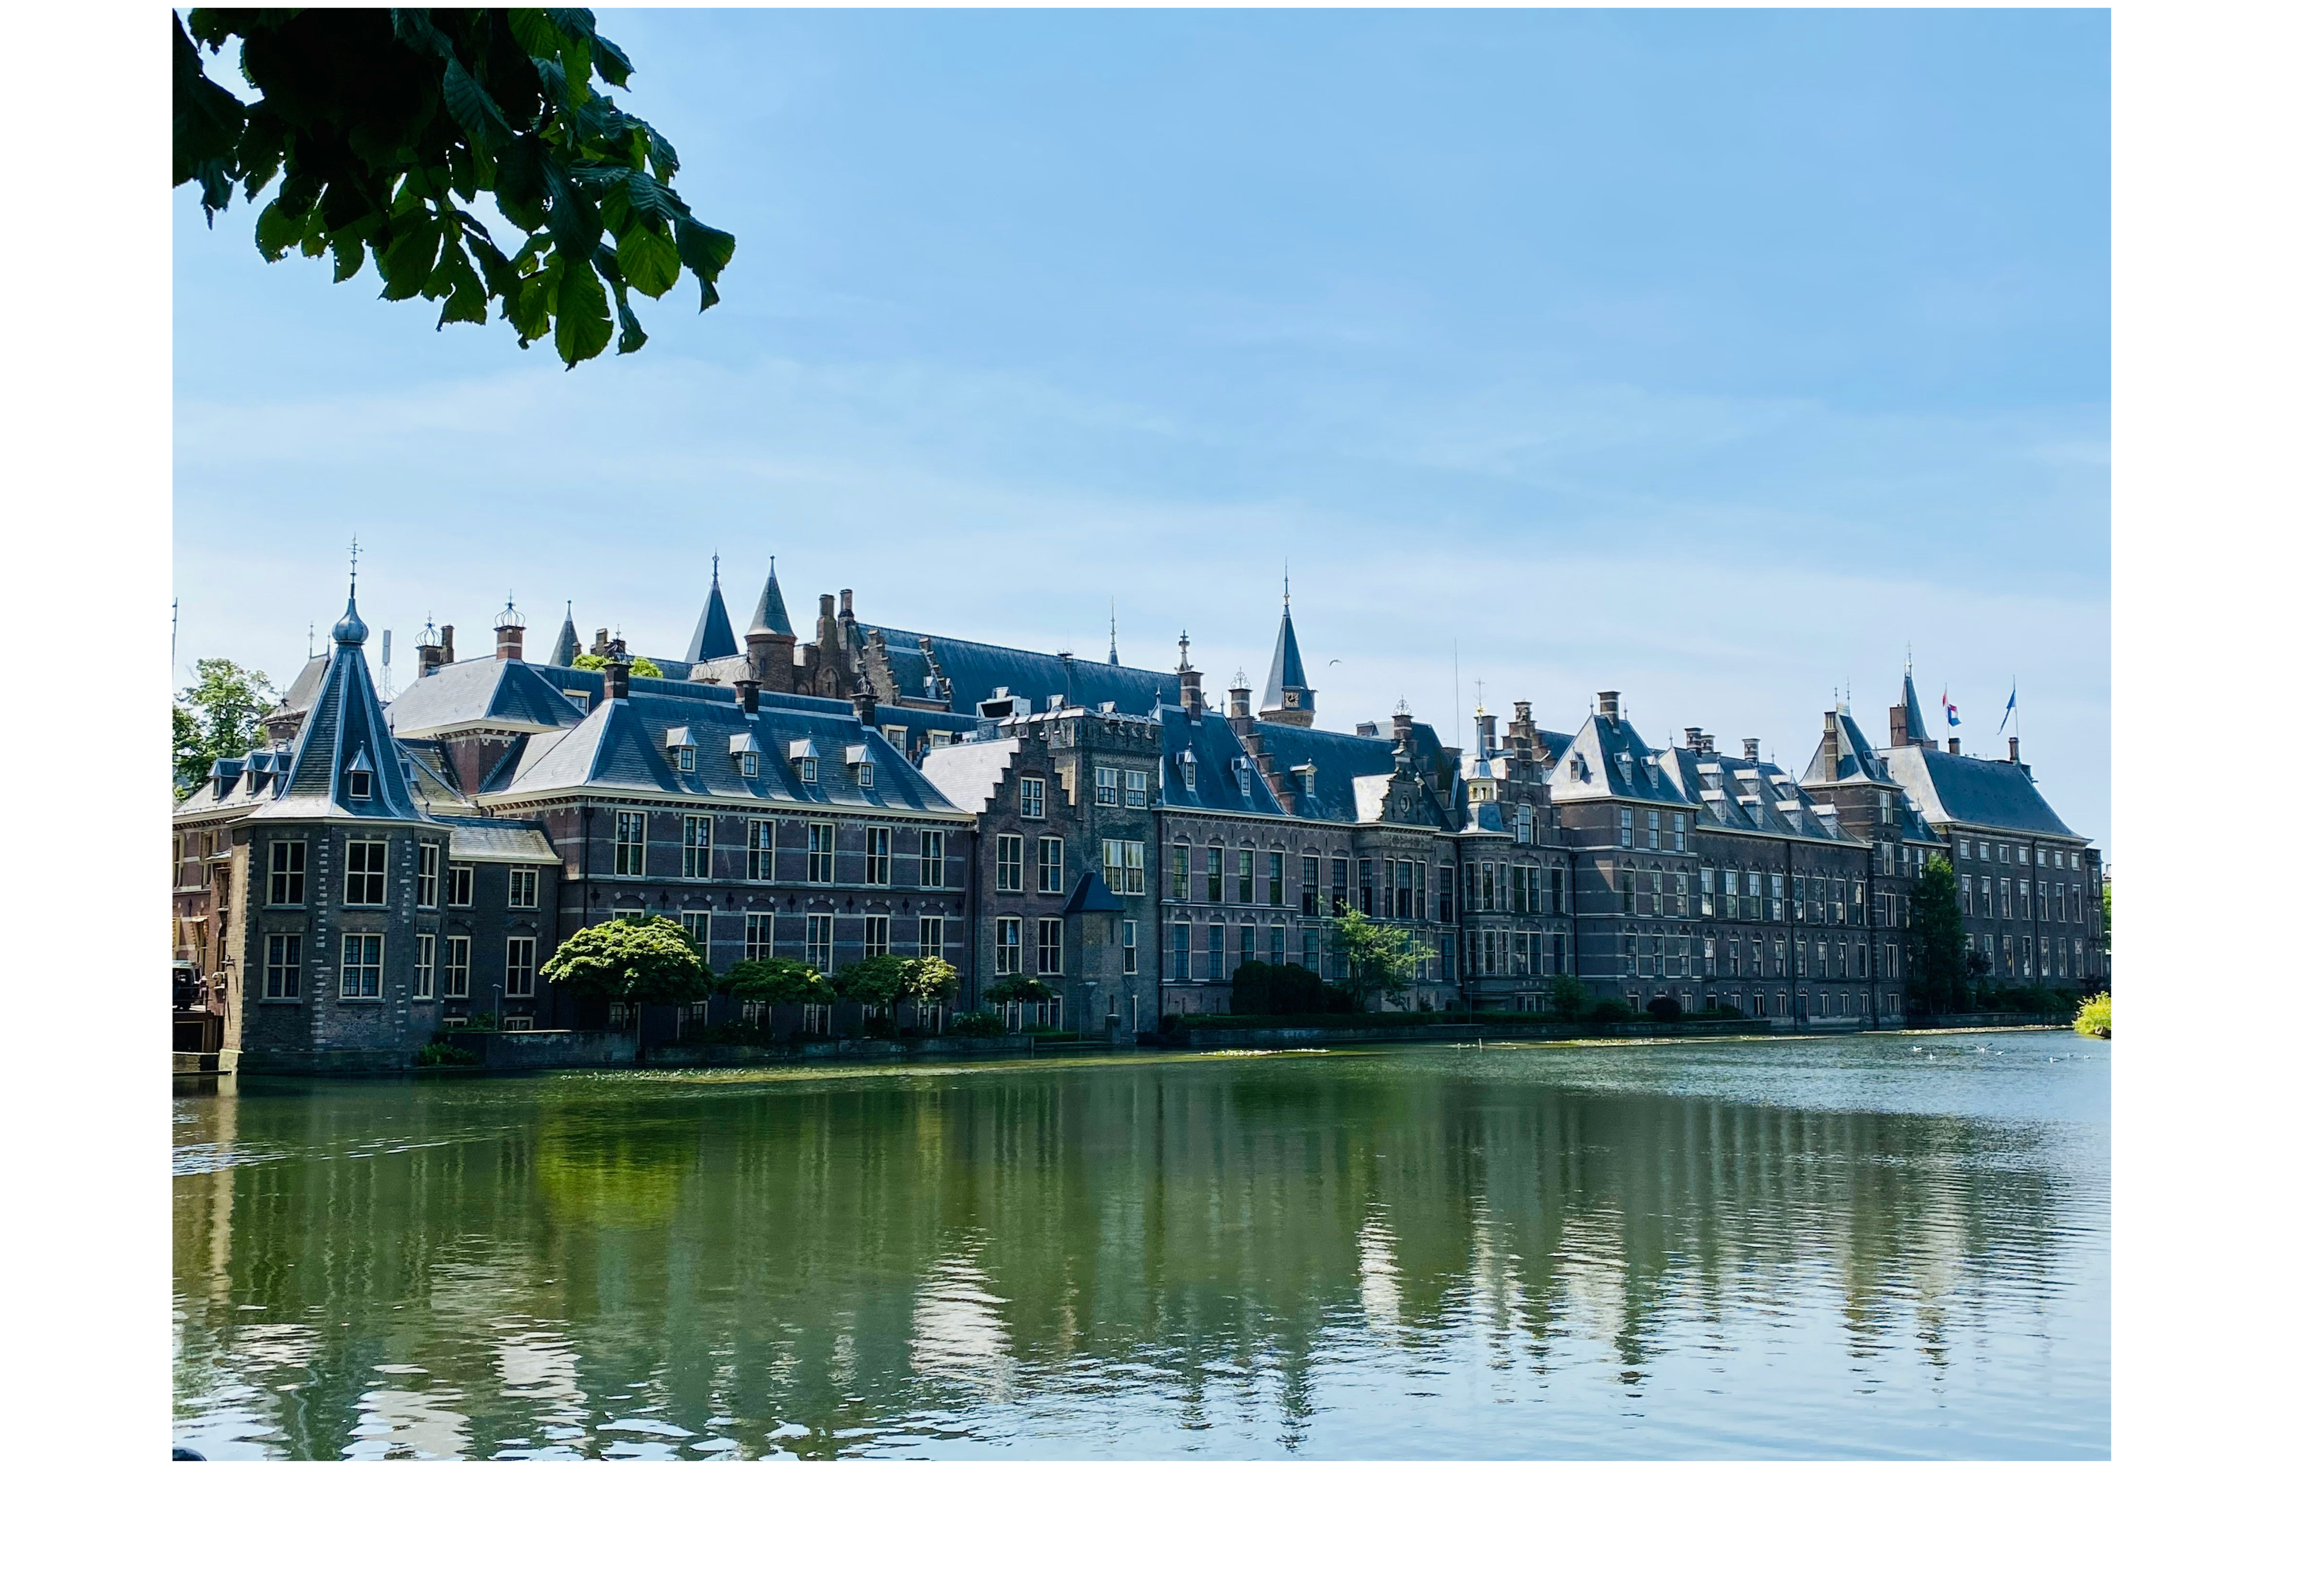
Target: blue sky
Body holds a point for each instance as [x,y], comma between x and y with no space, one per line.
[1716,357]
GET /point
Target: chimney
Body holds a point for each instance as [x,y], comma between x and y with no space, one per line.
[1955,745]
[1240,704]
[1898,726]
[1368,728]
[1607,704]
[446,645]
[1487,732]
[510,634]
[1069,678]
[1399,727]
[865,704]
[1691,739]
[427,654]
[1751,749]
[2014,751]
[745,693]
[1193,683]
[598,643]
[618,670]
[846,604]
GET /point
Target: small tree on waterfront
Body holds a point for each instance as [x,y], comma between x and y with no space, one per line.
[1938,979]
[638,962]
[1379,958]
[1017,989]
[1569,997]
[772,981]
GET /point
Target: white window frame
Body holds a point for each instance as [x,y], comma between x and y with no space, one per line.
[358,876]
[933,848]
[821,852]
[820,950]
[288,858]
[426,956]
[758,935]
[426,875]
[877,856]
[283,967]
[758,857]
[630,841]
[362,953]
[1049,866]
[456,981]
[519,967]
[1033,797]
[523,890]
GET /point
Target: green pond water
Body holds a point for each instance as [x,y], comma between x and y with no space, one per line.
[1871,1246]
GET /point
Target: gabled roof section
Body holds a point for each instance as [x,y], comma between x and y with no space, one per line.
[1609,760]
[1750,795]
[510,694]
[1844,754]
[1953,789]
[1345,762]
[714,633]
[345,730]
[772,614]
[968,773]
[977,670]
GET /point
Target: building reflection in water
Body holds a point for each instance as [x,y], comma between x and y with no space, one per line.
[583,1265]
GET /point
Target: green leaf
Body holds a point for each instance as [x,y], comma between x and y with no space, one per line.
[649,258]
[706,250]
[583,325]
[533,31]
[351,255]
[406,260]
[278,226]
[473,107]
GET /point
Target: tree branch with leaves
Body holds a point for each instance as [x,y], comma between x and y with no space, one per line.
[380,128]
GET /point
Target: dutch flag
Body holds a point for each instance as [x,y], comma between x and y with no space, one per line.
[1952,718]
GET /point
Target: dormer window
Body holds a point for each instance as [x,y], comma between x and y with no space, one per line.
[1307,775]
[679,743]
[750,765]
[358,784]
[1189,769]
[685,761]
[809,770]
[865,775]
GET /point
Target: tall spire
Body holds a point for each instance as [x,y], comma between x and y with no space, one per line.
[570,642]
[1288,699]
[1112,631]
[714,633]
[771,615]
[1907,714]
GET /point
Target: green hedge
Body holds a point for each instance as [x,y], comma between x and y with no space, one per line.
[1496,1018]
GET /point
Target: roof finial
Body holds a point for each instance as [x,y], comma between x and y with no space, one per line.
[714,567]
[1112,631]
[1185,648]
[1288,584]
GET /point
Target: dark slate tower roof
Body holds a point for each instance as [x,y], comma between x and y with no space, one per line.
[1913,708]
[1288,693]
[346,732]
[713,634]
[563,652]
[772,614]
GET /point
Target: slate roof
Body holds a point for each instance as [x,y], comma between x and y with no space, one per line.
[976,671]
[1907,702]
[1091,895]
[499,841]
[1953,789]
[568,645]
[714,633]
[305,687]
[620,745]
[487,691]
[772,614]
[1854,758]
[345,730]
[1284,669]
[1754,796]
[1609,759]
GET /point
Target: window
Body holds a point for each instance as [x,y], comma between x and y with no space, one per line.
[459,966]
[1104,785]
[427,876]
[877,936]
[931,844]
[758,857]
[821,851]
[1009,864]
[1708,893]
[1188,769]
[1049,947]
[686,760]
[1180,969]
[757,936]
[630,841]
[1217,952]
[286,875]
[523,889]
[1008,945]
[809,773]
[1129,935]
[1033,797]
[1651,830]
[1212,875]
[363,872]
[817,940]
[1275,877]
[1680,846]
[426,956]
[282,965]
[362,965]
[747,762]
[1181,890]
[1309,950]
[359,784]
[694,850]
[1524,823]
[1310,886]
[696,923]
[519,967]
[1137,789]
[459,878]
[1121,866]
[2025,902]
[1244,876]
[866,774]
[931,930]
[877,855]
[1627,828]
[1049,865]
[1779,897]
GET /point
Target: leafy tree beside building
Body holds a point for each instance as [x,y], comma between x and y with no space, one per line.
[1938,979]
[637,961]
[1379,958]
[219,716]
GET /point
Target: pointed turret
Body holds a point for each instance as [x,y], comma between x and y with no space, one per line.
[345,762]
[713,634]
[1288,699]
[1907,715]
[563,652]
[771,615]
[1112,631]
